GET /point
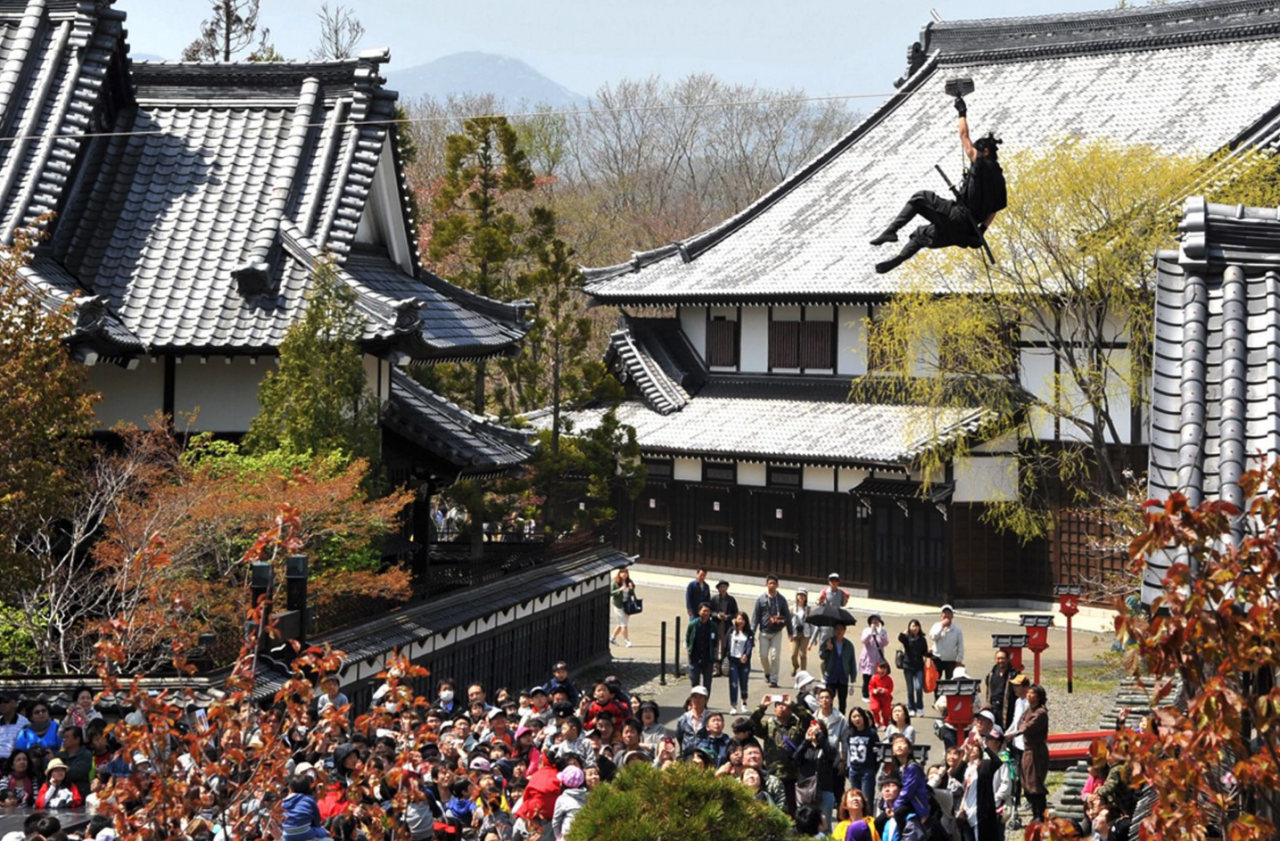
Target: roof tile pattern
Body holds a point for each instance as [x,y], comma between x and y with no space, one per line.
[807,240]
[789,428]
[186,199]
[1215,406]
[474,444]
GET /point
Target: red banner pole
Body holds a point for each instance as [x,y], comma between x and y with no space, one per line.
[1070,676]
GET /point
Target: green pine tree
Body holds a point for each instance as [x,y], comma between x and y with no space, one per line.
[317,400]
[680,803]
[477,238]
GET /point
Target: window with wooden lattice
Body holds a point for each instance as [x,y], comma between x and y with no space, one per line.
[817,343]
[784,344]
[722,343]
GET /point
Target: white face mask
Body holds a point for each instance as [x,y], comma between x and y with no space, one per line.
[446,695]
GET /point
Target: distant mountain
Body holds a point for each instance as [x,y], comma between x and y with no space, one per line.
[509,79]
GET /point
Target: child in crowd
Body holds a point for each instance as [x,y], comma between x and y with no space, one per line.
[57,793]
[301,813]
[881,687]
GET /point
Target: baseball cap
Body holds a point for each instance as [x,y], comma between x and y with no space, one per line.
[564,708]
[560,664]
[537,690]
[1019,680]
[834,575]
[801,591]
[480,764]
[303,768]
[699,690]
[946,608]
[494,713]
[988,715]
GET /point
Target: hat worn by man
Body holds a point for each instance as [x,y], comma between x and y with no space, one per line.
[946,608]
[563,708]
[1020,680]
[496,712]
[537,690]
[560,666]
[724,584]
[835,576]
[700,690]
[304,768]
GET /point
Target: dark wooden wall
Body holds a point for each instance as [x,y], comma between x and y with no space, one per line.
[518,655]
[794,534]
[989,564]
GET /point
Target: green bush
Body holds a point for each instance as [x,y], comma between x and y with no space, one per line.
[680,803]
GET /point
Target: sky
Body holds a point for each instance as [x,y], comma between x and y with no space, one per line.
[826,47]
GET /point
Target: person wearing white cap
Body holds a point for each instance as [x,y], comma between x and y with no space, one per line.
[807,687]
[948,643]
[830,593]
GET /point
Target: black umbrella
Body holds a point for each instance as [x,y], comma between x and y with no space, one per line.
[830,615]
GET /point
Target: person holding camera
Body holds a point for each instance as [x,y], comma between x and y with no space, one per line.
[772,618]
[787,726]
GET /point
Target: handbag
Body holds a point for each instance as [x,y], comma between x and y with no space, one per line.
[900,659]
[930,674]
[807,792]
[632,606]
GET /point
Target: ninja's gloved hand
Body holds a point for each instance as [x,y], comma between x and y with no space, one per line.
[961,108]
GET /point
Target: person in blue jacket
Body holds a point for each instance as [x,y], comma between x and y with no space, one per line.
[42,731]
[697,593]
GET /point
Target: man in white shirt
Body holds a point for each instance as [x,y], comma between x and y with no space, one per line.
[948,643]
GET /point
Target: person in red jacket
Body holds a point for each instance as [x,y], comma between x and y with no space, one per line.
[605,703]
[881,687]
[57,793]
[538,805]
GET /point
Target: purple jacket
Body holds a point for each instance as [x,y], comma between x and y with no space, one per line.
[873,645]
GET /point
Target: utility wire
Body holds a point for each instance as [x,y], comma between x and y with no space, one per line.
[510,116]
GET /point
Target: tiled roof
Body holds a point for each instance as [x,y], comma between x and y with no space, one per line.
[173,185]
[96,329]
[633,361]
[1189,78]
[472,444]
[792,424]
[438,615]
[1215,404]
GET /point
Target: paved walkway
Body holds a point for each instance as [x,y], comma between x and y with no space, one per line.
[663,592]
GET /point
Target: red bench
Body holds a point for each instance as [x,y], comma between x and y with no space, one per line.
[1066,749]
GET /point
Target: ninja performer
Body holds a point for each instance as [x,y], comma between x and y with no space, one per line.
[961,222]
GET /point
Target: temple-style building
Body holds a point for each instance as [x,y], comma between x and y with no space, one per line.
[739,345]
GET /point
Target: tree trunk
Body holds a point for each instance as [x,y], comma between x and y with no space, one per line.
[481,369]
[477,540]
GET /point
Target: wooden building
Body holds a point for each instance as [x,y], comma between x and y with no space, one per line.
[185,205]
[739,345]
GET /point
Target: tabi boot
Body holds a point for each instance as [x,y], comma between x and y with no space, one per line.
[908,251]
[890,233]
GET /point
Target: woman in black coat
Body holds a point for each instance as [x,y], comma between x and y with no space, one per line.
[816,762]
[915,647]
[989,826]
